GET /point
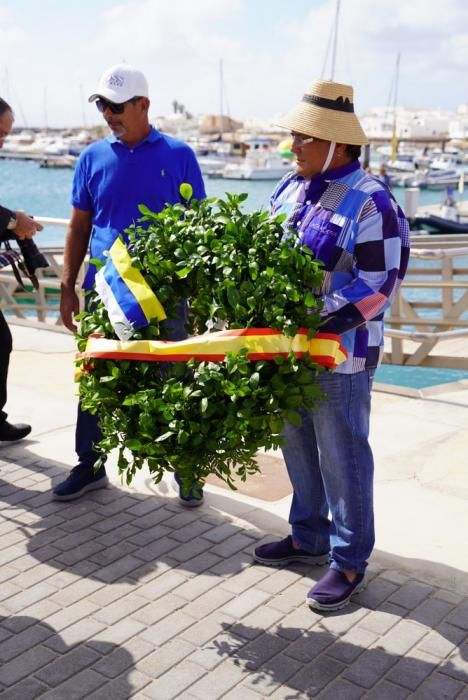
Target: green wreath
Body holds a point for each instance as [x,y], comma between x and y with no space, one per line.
[203,417]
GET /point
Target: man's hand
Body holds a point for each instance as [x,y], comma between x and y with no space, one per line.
[26,227]
[69,307]
[76,244]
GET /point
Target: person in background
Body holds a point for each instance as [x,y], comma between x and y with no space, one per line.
[135,165]
[22,226]
[449,208]
[384,177]
[354,226]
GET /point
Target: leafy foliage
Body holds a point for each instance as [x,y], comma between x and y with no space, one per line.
[198,418]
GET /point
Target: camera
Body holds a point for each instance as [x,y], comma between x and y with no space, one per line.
[32,258]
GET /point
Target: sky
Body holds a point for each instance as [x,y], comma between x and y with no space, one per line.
[52,54]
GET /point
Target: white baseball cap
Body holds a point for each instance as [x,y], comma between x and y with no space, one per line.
[120,83]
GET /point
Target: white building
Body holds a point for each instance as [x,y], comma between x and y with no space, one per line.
[410,123]
[458,126]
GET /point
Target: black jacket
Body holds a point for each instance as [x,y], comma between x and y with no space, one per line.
[5,216]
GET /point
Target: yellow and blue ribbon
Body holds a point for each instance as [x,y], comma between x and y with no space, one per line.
[129,300]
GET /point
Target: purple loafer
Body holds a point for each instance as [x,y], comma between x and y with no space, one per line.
[334,591]
[283,552]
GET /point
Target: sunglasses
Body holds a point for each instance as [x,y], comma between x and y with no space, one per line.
[301,140]
[114,107]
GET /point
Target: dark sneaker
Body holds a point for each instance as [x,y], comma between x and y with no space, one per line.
[334,591]
[193,498]
[283,552]
[11,432]
[81,479]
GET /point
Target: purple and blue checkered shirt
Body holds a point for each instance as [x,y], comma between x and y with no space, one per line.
[356,228]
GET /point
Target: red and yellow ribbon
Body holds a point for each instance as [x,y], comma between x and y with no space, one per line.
[261,343]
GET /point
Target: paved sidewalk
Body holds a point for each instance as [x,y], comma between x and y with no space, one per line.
[125,594]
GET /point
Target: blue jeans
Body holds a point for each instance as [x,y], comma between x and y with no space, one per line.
[330,465]
[88,433]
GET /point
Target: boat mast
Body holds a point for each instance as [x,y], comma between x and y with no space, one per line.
[83,111]
[335,39]
[221,99]
[395,97]
[7,86]
[46,121]
[332,40]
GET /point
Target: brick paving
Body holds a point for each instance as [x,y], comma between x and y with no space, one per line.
[127,595]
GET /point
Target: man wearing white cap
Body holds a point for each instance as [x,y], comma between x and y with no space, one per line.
[135,165]
[352,223]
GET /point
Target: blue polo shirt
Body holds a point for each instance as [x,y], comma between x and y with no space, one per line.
[111,179]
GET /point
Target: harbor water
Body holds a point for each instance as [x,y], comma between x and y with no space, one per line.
[46,192]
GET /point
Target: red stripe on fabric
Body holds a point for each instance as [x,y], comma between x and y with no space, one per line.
[151,357]
[325,360]
[236,332]
[266,355]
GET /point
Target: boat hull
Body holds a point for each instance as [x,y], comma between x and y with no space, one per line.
[439,224]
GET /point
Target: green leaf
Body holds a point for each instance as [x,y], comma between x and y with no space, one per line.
[293,417]
[97,262]
[145,211]
[185,272]
[233,296]
[186,191]
[133,444]
[255,379]
[164,436]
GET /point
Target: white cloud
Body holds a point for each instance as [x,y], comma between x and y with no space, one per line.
[148,27]
[270,54]
[429,38]
[11,31]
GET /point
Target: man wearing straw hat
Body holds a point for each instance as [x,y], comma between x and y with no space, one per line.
[352,223]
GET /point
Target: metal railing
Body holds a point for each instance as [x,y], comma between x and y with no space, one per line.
[411,333]
[419,322]
[36,308]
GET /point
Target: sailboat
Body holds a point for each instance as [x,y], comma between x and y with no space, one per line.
[260,161]
[401,165]
[214,152]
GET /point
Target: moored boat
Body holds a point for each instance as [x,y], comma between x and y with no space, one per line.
[269,168]
[261,162]
[61,161]
[439,224]
[434,179]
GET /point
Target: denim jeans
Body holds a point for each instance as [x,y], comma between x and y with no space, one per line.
[88,433]
[330,465]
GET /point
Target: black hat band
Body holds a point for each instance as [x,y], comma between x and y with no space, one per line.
[341,104]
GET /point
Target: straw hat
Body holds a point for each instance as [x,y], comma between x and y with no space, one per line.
[327,112]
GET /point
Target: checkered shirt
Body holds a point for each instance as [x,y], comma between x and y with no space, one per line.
[356,228]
